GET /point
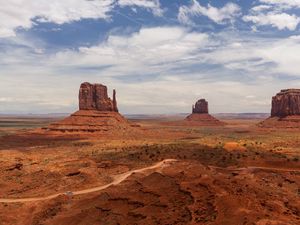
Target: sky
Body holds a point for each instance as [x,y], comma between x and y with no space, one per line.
[160,55]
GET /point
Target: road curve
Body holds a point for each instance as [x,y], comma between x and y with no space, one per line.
[117,180]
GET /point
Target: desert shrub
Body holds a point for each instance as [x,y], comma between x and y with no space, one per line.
[82,144]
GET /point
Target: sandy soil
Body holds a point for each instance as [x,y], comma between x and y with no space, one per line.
[235,174]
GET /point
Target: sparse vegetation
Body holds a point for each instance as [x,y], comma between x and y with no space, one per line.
[57,164]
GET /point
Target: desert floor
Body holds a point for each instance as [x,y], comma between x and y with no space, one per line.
[166,174]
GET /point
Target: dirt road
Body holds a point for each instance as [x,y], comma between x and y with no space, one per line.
[116,180]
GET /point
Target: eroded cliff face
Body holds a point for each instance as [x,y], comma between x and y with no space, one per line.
[95,97]
[201,106]
[286,103]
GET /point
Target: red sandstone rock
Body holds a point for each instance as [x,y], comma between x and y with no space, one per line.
[115,107]
[95,97]
[203,119]
[92,121]
[201,106]
[286,103]
[285,111]
[97,113]
[200,116]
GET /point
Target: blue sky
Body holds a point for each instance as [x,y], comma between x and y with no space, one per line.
[160,55]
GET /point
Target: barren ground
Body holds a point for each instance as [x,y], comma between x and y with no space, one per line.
[236,174]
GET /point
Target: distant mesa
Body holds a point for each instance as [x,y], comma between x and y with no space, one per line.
[200,115]
[285,110]
[201,106]
[286,103]
[97,113]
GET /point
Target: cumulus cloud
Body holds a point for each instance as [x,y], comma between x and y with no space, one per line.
[148,50]
[263,56]
[119,62]
[282,52]
[218,15]
[279,20]
[153,5]
[274,13]
[158,69]
[22,13]
[25,14]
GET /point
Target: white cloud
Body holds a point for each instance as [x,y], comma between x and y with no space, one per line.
[260,8]
[279,20]
[147,50]
[20,13]
[263,56]
[7,99]
[16,14]
[155,70]
[153,5]
[282,53]
[218,15]
[283,3]
[274,13]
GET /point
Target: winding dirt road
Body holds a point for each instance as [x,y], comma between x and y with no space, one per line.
[121,177]
[117,180]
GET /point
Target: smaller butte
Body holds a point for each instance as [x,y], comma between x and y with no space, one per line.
[200,115]
[285,112]
[97,113]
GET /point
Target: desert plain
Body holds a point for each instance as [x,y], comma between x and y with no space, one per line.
[164,173]
[150,112]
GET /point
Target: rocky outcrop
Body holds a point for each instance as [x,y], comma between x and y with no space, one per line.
[95,97]
[286,103]
[200,116]
[97,114]
[285,112]
[201,106]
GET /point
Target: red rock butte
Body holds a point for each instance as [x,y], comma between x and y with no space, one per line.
[95,97]
[200,115]
[201,106]
[97,113]
[285,110]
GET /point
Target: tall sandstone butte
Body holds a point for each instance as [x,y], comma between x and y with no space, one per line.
[285,110]
[95,97]
[200,116]
[97,113]
[286,103]
[201,106]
